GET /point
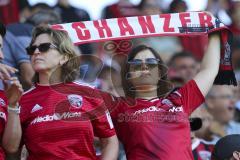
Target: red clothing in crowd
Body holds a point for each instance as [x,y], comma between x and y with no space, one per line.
[9,13]
[201,150]
[196,45]
[3,118]
[235,30]
[58,125]
[157,129]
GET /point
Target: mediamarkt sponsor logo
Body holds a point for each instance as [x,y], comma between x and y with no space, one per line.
[149,109]
[56,117]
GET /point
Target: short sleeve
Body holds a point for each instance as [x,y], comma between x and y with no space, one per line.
[112,103]
[190,96]
[103,126]
[14,51]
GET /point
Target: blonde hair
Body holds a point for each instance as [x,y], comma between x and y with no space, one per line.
[70,69]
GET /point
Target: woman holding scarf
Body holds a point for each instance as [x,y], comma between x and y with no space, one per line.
[151,124]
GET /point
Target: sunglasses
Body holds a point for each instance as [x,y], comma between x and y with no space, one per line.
[149,62]
[43,47]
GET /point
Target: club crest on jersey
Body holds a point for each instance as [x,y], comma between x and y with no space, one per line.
[2,102]
[204,154]
[75,100]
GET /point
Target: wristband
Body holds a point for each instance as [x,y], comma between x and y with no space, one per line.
[14,110]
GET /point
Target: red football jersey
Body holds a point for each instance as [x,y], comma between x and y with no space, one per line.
[157,129]
[3,119]
[60,121]
[201,150]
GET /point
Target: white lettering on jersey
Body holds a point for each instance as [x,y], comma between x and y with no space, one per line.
[3,116]
[37,107]
[149,109]
[176,109]
[56,117]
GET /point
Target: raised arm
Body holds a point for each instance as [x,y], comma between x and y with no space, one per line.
[13,132]
[209,65]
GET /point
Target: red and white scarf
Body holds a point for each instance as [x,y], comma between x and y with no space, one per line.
[177,24]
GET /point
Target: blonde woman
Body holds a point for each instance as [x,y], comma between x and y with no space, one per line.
[53,110]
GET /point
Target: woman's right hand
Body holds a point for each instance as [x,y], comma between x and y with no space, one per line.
[6,71]
[13,91]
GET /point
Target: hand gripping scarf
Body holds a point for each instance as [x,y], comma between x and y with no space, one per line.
[177,24]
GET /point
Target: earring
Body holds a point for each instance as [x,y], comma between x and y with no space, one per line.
[60,63]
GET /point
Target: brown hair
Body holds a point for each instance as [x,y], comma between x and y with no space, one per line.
[163,83]
[2,30]
[70,69]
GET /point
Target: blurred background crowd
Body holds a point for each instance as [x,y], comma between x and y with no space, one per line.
[101,62]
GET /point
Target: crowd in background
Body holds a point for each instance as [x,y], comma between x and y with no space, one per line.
[101,62]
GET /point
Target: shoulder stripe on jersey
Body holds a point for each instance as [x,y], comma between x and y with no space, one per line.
[176,92]
[109,119]
[83,83]
[155,99]
[32,88]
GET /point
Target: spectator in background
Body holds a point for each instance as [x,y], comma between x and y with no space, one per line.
[237,104]
[177,6]
[227,148]
[183,65]
[111,83]
[149,7]
[196,45]
[236,66]
[44,17]
[16,57]
[18,38]
[167,46]
[234,13]
[200,150]
[26,10]
[9,11]
[236,56]
[110,80]
[220,102]
[206,132]
[123,8]
[220,9]
[71,14]
[9,97]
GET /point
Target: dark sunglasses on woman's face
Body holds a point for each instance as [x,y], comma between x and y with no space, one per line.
[43,47]
[149,62]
